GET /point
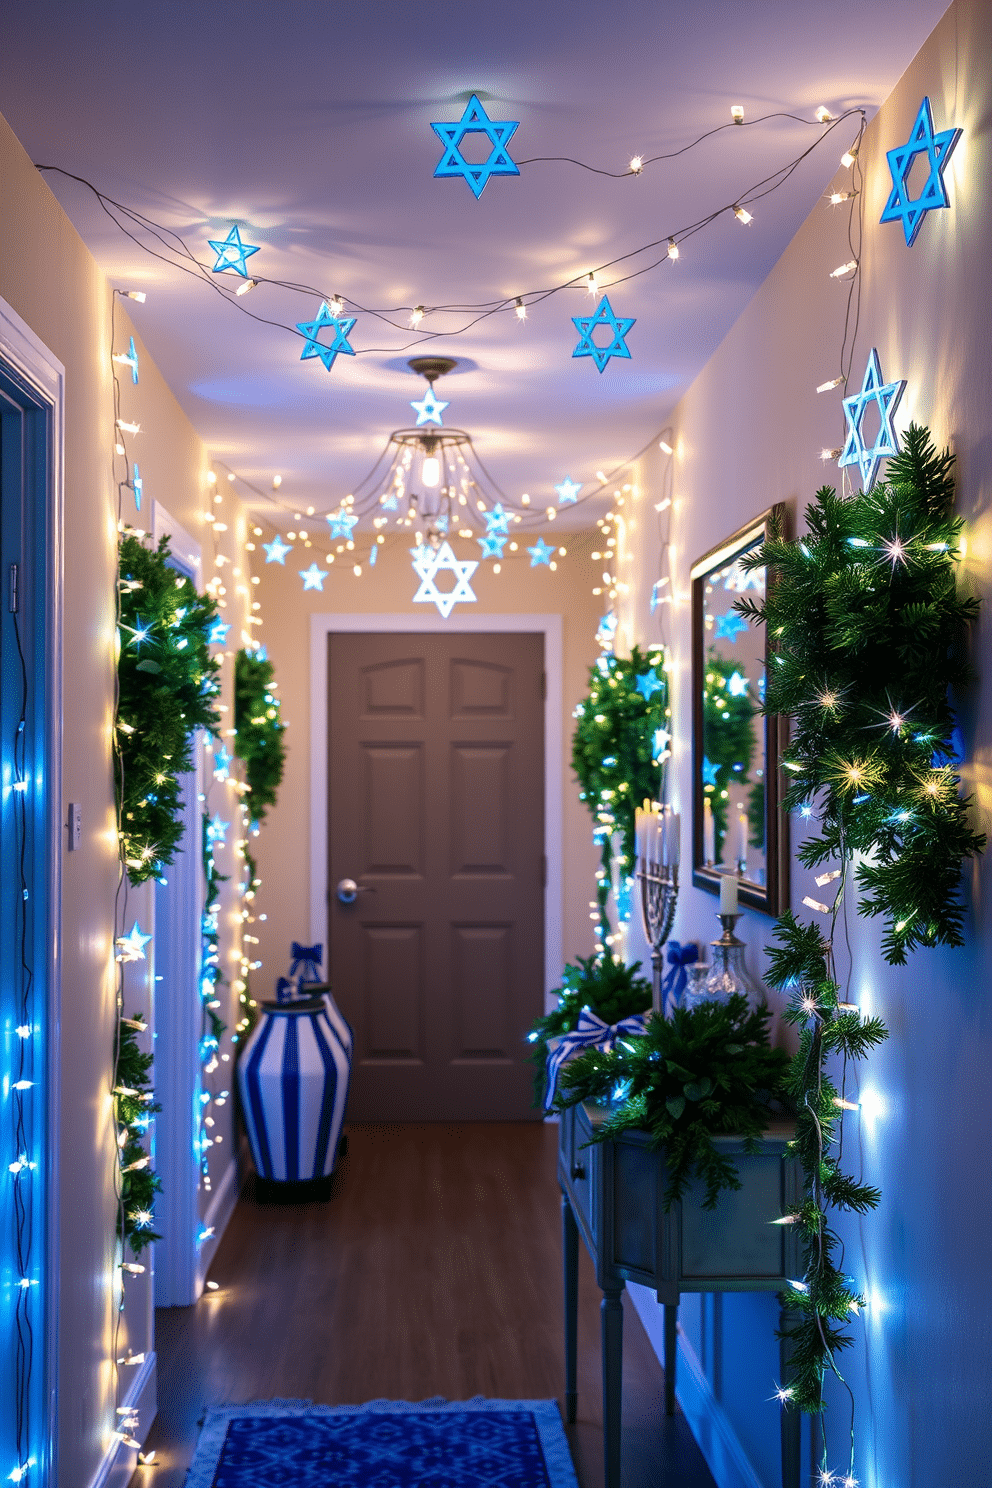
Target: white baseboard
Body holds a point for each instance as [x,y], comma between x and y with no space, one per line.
[218,1214]
[708,1421]
[119,1462]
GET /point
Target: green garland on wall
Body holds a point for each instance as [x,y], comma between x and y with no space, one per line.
[866,630]
[167,682]
[259,729]
[134,1107]
[728,732]
[619,740]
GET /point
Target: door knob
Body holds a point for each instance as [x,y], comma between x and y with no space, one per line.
[578,1172]
[348,890]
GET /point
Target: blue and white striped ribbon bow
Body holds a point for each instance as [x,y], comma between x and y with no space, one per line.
[306,961]
[591,1033]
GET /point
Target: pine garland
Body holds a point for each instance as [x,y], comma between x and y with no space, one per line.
[167,681]
[728,730]
[259,729]
[134,1107]
[609,987]
[866,631]
[616,752]
[708,1070]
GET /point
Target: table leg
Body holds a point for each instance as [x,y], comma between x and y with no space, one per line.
[791,1420]
[611,1320]
[671,1354]
[570,1271]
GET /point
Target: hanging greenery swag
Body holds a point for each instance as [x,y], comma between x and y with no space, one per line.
[134,1108]
[259,729]
[866,632]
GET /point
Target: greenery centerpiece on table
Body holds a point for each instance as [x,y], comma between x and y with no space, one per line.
[708,1071]
[609,988]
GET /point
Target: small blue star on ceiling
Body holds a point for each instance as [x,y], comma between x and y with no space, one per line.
[492,545]
[427,565]
[540,553]
[217,634]
[276,550]
[341,326]
[133,944]
[729,627]
[586,325]
[313,577]
[475,120]
[568,490]
[341,522]
[497,520]
[710,771]
[901,207]
[885,396]
[429,409]
[647,684]
[232,253]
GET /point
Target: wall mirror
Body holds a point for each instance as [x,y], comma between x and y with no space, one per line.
[738,823]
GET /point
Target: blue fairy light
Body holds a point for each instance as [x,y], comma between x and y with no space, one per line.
[911,210]
[276,550]
[340,325]
[231,253]
[475,120]
[129,358]
[540,553]
[604,316]
[710,771]
[313,577]
[885,396]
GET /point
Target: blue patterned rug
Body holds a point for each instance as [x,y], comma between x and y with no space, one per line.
[386,1444]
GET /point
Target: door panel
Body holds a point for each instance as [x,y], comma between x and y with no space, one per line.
[436,803]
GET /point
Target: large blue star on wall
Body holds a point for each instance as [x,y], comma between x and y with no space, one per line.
[475,120]
[541,552]
[429,409]
[729,627]
[341,326]
[885,396]
[901,207]
[427,565]
[232,253]
[586,325]
[568,490]
[492,545]
[276,550]
[342,521]
[647,684]
[313,577]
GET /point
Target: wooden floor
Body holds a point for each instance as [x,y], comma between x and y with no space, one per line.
[435,1269]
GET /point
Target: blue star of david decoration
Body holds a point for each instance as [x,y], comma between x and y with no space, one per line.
[427,565]
[730,626]
[341,326]
[647,684]
[586,324]
[137,486]
[222,764]
[217,634]
[901,207]
[313,577]
[475,120]
[568,490]
[710,771]
[540,553]
[885,396]
[276,550]
[497,520]
[492,545]
[342,521]
[429,409]
[232,253]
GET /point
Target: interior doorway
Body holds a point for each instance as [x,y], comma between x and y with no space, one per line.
[435,798]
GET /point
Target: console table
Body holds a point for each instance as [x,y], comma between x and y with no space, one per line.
[612,1195]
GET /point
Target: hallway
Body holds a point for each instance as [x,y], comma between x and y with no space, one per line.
[434,1270]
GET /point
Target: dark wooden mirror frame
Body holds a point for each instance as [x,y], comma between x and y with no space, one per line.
[773,899]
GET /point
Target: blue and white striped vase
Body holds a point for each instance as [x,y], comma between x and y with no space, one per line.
[293,1077]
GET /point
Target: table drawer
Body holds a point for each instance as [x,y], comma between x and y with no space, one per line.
[578,1171]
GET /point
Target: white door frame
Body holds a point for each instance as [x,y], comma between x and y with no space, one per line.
[550,626]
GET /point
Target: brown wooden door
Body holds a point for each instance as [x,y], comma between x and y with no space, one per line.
[436,801]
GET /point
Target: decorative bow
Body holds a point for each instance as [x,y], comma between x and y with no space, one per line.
[306,962]
[678,958]
[286,989]
[591,1033]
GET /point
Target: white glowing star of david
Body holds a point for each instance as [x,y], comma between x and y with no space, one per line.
[427,565]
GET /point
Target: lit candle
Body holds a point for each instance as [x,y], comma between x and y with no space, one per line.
[709,833]
[728,893]
[742,836]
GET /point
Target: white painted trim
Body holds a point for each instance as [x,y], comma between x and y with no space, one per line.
[217,1217]
[323,625]
[24,353]
[708,1421]
[119,1462]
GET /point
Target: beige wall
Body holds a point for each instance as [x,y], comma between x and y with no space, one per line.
[748,434]
[283,847]
[48,277]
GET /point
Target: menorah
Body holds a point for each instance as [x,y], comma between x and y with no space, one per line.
[657,837]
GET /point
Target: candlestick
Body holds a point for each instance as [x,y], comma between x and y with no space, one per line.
[728,893]
[709,834]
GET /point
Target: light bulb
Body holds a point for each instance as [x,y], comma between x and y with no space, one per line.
[521,309]
[246,288]
[336,306]
[416,315]
[664,446]
[823,115]
[276,482]
[636,165]
[826,387]
[836,197]
[742,215]
[673,249]
[136,294]
[737,113]
[849,157]
[430,473]
[844,268]
[591,284]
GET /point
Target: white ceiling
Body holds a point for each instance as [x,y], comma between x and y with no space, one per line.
[309,125]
